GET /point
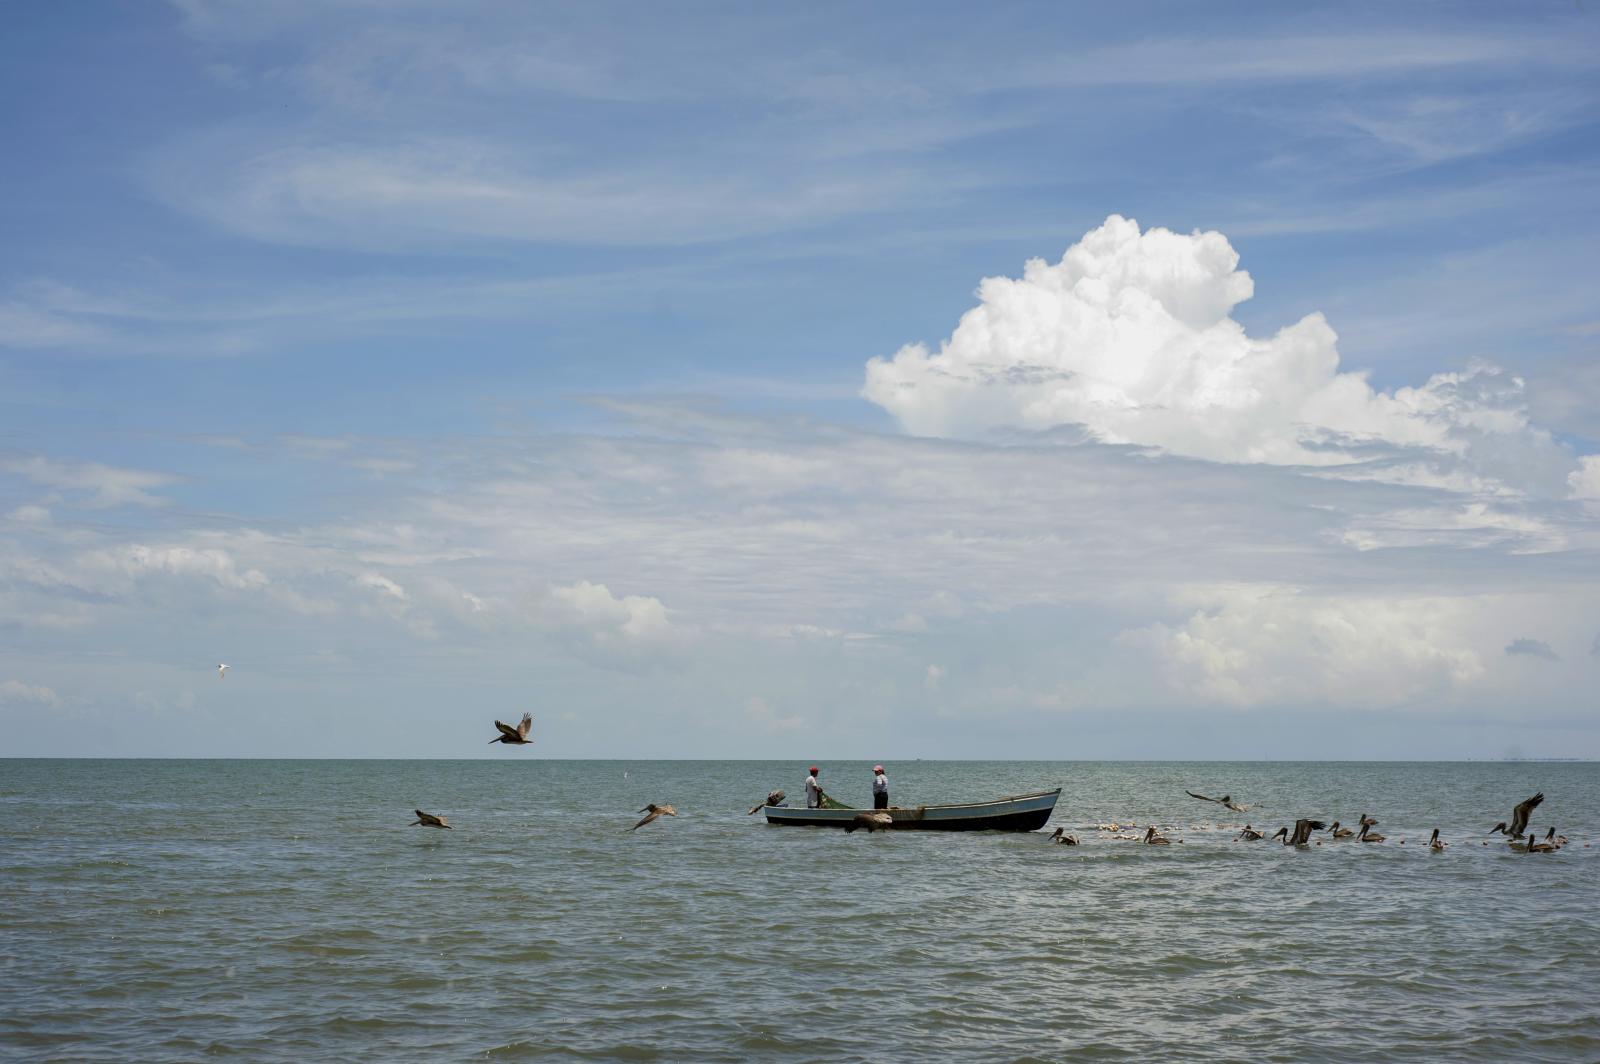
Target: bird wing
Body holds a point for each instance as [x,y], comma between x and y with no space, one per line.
[1523,811]
[1202,797]
[753,808]
[507,730]
[645,821]
[522,729]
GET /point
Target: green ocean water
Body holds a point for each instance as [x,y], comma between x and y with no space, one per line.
[283,910]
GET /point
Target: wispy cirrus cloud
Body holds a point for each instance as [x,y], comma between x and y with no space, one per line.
[91,483]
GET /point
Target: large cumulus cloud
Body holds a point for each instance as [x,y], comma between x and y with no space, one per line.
[1130,336]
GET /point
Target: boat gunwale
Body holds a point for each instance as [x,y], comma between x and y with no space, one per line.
[1017,812]
[950,805]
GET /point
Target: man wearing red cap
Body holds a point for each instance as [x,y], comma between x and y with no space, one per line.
[880,788]
[813,790]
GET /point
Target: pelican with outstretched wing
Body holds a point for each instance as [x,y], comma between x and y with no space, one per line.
[428,820]
[1519,818]
[773,798]
[1226,801]
[655,811]
[517,736]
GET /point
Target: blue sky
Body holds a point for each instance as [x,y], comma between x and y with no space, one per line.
[637,367]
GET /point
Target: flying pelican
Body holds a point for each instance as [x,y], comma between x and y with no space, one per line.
[877,820]
[1062,837]
[1340,833]
[517,736]
[1152,839]
[773,798]
[222,671]
[1249,834]
[1519,817]
[1226,801]
[655,811]
[428,820]
[1368,836]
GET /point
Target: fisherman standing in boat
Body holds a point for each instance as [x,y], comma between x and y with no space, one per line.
[880,788]
[813,790]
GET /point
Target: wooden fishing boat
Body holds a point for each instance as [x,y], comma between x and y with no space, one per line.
[1021,812]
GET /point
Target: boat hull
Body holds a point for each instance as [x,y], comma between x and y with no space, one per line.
[1023,812]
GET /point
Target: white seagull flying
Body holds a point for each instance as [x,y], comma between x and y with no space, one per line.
[222,672]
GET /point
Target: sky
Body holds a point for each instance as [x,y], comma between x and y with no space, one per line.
[813,381]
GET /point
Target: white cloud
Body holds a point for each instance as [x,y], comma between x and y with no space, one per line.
[1473,524]
[631,632]
[15,692]
[451,188]
[26,326]
[596,609]
[211,563]
[383,585]
[1255,646]
[1584,482]
[758,713]
[1130,337]
[106,486]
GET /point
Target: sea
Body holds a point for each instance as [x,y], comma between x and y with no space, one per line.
[286,911]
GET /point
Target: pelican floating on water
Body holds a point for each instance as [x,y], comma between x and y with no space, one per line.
[654,811]
[1340,833]
[1062,837]
[874,821]
[1152,839]
[1368,836]
[1436,843]
[517,736]
[1546,846]
[1519,818]
[428,820]
[1249,834]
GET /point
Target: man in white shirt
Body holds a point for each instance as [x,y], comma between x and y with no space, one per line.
[880,788]
[813,790]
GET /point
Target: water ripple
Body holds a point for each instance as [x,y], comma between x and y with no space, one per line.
[167,910]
